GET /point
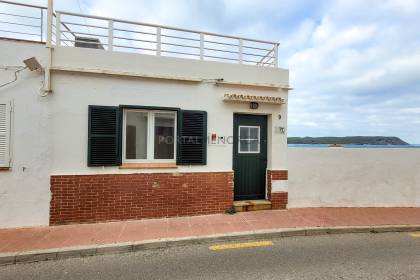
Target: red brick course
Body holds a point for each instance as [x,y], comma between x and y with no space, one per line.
[278,174]
[110,197]
[278,200]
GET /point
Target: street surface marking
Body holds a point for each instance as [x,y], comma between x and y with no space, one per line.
[241,245]
[415,235]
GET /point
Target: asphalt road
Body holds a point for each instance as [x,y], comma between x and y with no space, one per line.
[351,256]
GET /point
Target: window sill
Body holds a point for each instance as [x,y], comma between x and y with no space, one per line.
[148,165]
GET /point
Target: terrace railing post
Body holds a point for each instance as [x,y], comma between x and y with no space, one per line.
[57,29]
[241,45]
[110,34]
[42,23]
[276,55]
[49,25]
[158,40]
[201,46]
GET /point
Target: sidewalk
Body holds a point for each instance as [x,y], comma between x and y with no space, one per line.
[59,237]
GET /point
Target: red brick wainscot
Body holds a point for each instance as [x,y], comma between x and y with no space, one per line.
[278,200]
[110,197]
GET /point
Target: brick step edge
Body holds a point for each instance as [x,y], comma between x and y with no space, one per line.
[116,248]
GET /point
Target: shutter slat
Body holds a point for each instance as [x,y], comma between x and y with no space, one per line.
[4,134]
[192,144]
[104,136]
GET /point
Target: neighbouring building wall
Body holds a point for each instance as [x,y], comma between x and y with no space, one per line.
[337,177]
[25,187]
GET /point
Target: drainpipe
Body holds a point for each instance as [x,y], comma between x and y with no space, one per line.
[47,87]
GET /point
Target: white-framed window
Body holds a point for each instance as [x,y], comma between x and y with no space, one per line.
[149,135]
[5,116]
[249,139]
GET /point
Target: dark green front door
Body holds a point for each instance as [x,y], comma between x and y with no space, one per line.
[249,156]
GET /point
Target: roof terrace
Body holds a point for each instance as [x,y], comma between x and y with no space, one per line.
[29,22]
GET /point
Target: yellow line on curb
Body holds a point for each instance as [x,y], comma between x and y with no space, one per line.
[415,235]
[241,245]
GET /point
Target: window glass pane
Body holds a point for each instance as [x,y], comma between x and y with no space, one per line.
[136,135]
[164,135]
[244,132]
[254,133]
[243,146]
[253,146]
[249,138]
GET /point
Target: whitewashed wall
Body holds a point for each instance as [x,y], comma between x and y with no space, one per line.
[25,188]
[336,177]
[74,92]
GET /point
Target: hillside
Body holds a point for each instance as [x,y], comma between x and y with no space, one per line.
[356,140]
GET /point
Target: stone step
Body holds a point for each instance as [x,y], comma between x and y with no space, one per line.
[251,205]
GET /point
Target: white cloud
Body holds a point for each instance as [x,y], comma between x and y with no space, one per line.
[361,69]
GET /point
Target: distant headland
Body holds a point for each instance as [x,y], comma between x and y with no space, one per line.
[349,140]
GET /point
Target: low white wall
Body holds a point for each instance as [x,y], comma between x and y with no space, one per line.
[70,57]
[340,177]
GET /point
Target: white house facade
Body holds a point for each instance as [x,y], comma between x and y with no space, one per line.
[127,120]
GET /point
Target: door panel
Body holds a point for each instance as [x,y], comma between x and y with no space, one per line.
[249,156]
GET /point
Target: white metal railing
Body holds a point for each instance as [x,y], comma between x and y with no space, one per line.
[78,30]
[124,35]
[22,21]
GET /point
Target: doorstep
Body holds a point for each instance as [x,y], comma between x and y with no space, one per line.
[251,205]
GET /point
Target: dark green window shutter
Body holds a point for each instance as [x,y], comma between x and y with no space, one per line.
[104,148]
[192,138]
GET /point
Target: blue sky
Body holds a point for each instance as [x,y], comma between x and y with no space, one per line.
[354,65]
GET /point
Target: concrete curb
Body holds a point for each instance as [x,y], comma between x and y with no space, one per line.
[115,248]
